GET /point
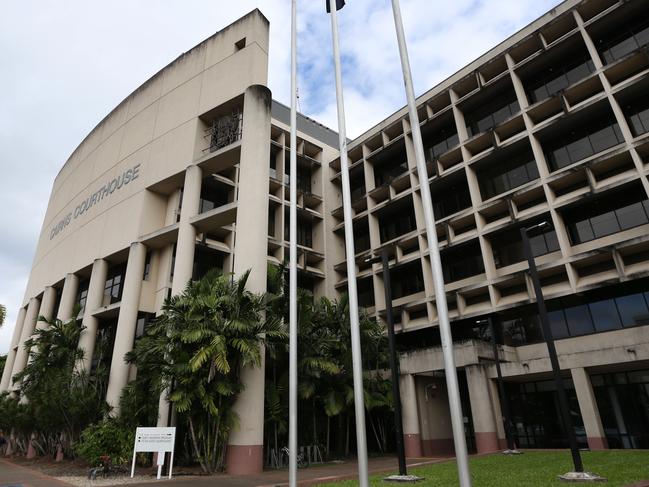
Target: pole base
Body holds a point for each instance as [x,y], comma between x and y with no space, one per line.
[582,477]
[512,452]
[403,478]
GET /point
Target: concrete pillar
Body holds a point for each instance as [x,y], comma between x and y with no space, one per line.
[185,246]
[46,311]
[68,297]
[245,449]
[27,329]
[164,270]
[186,232]
[484,424]
[11,354]
[589,411]
[126,324]
[93,301]
[410,415]
[47,307]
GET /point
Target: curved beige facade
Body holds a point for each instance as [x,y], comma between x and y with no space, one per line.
[154,134]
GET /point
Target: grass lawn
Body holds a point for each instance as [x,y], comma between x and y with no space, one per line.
[532,469]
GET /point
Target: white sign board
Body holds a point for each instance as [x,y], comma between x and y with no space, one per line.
[156,440]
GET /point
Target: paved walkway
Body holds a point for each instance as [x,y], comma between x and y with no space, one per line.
[310,476]
[16,475]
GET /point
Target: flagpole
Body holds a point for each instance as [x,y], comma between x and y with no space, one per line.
[357,365]
[292,408]
[455,405]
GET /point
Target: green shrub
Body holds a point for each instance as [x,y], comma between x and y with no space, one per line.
[106,438]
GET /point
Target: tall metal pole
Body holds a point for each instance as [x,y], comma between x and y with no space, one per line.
[394,367]
[504,400]
[552,351]
[455,406]
[292,406]
[357,364]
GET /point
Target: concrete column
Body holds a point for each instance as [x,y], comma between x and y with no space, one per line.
[46,311]
[126,323]
[410,415]
[589,411]
[93,301]
[164,269]
[185,246]
[484,424]
[28,328]
[68,297]
[245,449]
[47,307]
[11,355]
[186,232]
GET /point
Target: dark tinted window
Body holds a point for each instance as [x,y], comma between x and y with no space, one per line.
[501,176]
[582,141]
[605,315]
[613,213]
[450,200]
[551,81]
[508,248]
[397,220]
[579,320]
[558,324]
[406,279]
[633,310]
[462,262]
[492,112]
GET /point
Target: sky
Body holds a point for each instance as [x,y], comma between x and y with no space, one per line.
[66,64]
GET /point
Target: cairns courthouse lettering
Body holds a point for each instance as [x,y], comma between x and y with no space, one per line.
[106,190]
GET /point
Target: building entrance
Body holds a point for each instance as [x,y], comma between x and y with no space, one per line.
[623,402]
[536,414]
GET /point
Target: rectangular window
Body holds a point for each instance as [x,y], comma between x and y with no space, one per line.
[549,82]
[406,280]
[558,324]
[501,176]
[579,320]
[622,42]
[582,141]
[492,112]
[387,171]
[508,247]
[637,114]
[442,142]
[605,315]
[450,200]
[633,310]
[613,213]
[462,262]
[397,220]
[82,295]
[147,267]
[114,285]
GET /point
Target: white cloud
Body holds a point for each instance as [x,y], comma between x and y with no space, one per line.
[66,64]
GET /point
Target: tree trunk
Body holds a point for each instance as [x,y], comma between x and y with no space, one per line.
[376,435]
[315,424]
[196,448]
[328,436]
[347,438]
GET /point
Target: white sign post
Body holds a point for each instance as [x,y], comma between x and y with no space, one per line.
[156,440]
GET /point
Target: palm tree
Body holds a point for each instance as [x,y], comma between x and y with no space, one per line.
[60,400]
[200,343]
[3,314]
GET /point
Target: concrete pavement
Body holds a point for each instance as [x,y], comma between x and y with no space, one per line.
[12,474]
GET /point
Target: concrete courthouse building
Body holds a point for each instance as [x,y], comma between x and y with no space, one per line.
[190,172]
